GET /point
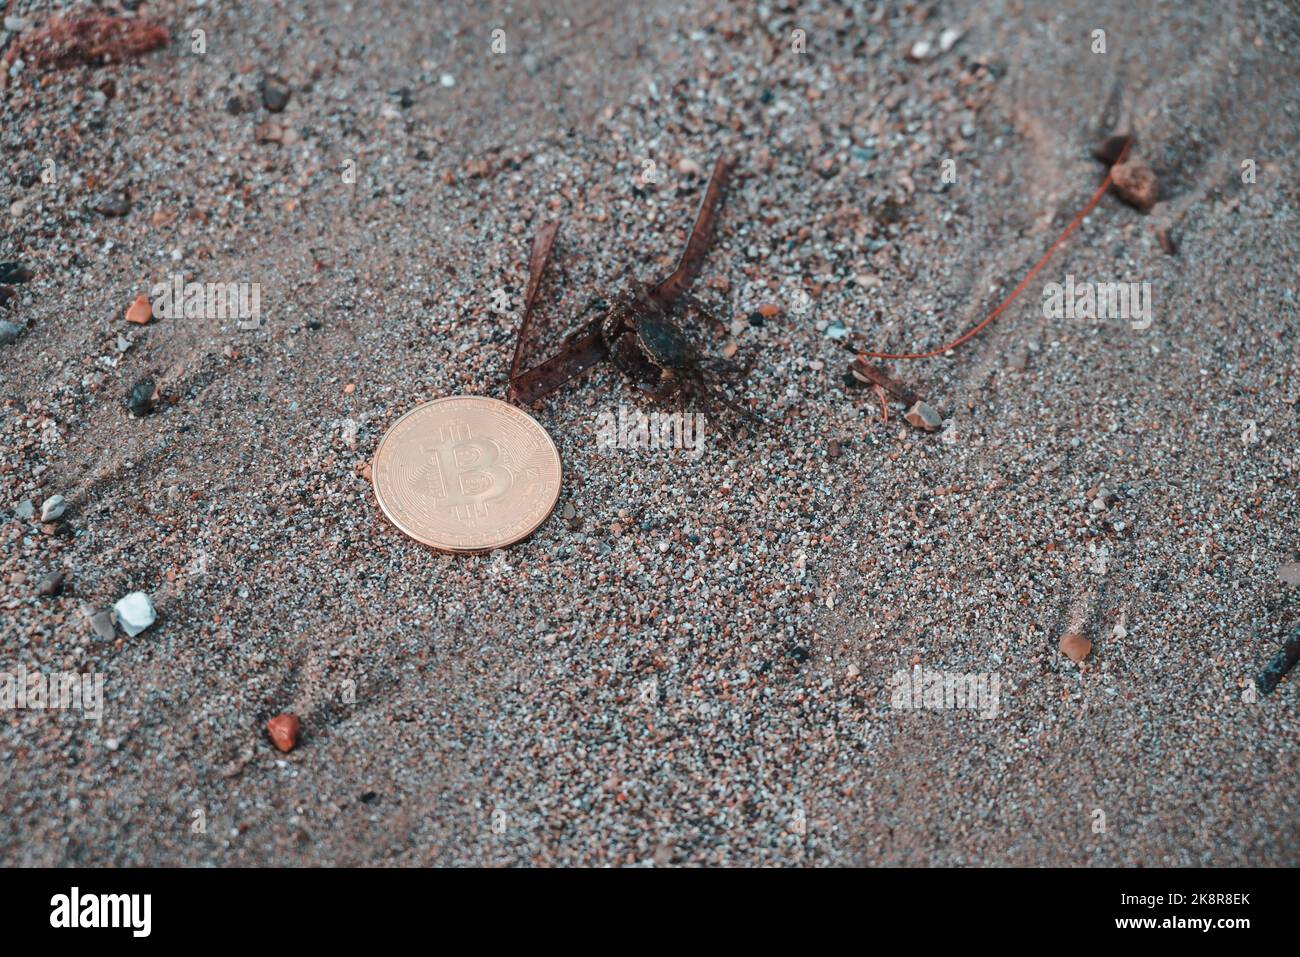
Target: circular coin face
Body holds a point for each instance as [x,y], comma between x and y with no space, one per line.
[467,474]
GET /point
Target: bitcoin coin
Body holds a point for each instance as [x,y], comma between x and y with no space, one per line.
[466,474]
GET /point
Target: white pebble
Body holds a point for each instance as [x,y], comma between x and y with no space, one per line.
[53,508]
[135,612]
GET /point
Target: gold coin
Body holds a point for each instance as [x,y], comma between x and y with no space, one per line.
[467,474]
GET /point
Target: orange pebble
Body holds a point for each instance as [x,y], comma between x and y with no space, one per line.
[284,730]
[1075,646]
[140,311]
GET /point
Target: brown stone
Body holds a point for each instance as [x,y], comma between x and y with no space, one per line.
[51,584]
[1109,149]
[1135,183]
[1167,241]
[284,730]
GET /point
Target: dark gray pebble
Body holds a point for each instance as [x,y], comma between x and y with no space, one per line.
[275,94]
[142,401]
[113,204]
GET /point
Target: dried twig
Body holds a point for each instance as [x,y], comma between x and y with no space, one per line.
[1116,147]
[582,350]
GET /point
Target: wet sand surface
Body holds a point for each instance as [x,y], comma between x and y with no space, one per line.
[693,661]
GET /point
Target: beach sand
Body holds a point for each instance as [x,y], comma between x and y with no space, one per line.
[693,661]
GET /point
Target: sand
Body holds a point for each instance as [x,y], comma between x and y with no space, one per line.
[693,661]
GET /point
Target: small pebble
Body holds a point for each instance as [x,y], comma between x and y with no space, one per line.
[284,731]
[1075,646]
[275,94]
[53,508]
[273,132]
[948,39]
[135,612]
[140,311]
[1136,184]
[923,416]
[25,510]
[143,398]
[9,332]
[51,584]
[101,622]
[113,204]
[1289,574]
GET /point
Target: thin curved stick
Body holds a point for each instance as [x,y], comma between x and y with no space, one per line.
[971,334]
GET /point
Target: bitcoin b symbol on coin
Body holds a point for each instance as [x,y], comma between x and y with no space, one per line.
[471,471]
